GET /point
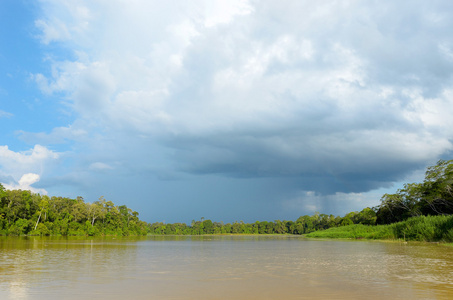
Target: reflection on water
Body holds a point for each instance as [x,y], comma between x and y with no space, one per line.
[222,267]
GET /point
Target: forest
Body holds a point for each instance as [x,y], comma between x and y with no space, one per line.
[26,213]
[425,206]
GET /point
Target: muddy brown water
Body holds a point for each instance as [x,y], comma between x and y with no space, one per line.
[222,267]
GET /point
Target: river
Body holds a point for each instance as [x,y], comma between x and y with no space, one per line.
[222,267]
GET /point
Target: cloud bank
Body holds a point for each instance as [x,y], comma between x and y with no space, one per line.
[337,97]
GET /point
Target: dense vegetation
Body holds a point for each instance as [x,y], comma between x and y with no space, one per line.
[434,196]
[422,228]
[23,212]
[418,211]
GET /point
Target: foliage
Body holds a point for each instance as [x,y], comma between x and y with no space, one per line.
[432,197]
[26,213]
[421,228]
[355,231]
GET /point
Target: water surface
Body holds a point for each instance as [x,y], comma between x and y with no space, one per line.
[222,267]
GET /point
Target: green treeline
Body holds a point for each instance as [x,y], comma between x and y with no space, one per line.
[26,213]
[418,211]
[304,224]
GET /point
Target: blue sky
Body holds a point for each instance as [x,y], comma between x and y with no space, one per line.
[227,110]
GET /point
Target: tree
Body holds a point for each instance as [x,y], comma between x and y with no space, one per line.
[367,216]
[262,227]
[270,227]
[290,226]
[279,227]
[96,210]
[236,227]
[208,226]
[438,189]
[43,206]
[307,223]
[400,206]
[432,197]
[80,210]
[346,221]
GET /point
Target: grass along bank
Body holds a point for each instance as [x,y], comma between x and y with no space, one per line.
[422,228]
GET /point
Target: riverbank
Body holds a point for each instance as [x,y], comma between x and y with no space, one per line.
[422,228]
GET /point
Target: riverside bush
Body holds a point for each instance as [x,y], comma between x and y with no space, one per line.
[422,228]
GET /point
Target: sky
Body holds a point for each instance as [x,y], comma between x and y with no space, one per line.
[228,110]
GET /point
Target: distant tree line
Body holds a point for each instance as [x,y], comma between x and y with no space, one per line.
[27,213]
[304,224]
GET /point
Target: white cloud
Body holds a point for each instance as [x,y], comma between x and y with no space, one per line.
[74,132]
[63,21]
[100,166]
[63,75]
[434,113]
[223,11]
[52,31]
[4,114]
[35,160]
[25,183]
